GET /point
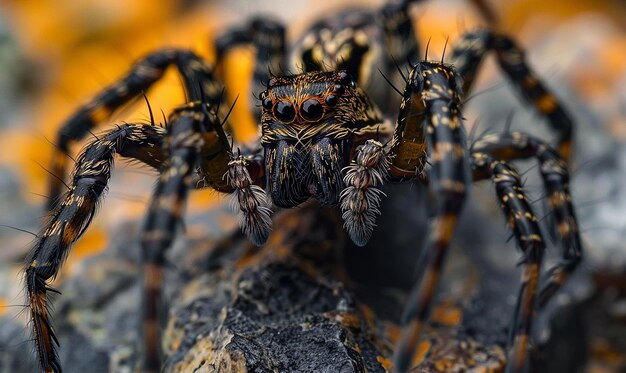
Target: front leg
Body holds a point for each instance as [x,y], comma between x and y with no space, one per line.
[195,136]
[431,100]
[71,218]
[199,83]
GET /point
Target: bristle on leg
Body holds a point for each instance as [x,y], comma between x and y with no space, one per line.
[252,202]
[360,200]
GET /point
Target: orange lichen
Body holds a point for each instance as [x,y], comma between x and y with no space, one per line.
[422,350]
[386,363]
[447,314]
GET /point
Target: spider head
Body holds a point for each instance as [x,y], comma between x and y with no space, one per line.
[436,81]
[308,124]
[313,105]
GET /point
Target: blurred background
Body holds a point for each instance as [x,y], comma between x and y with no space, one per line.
[56,55]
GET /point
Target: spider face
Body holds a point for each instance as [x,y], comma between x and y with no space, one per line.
[309,123]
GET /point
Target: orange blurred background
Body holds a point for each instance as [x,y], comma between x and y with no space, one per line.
[74,49]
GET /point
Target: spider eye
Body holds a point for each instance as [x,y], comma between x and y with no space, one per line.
[284,111]
[312,110]
[346,79]
[331,100]
[267,102]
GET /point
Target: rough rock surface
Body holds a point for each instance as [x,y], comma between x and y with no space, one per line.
[276,308]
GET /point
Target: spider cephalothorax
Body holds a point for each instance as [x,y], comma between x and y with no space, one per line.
[309,124]
[323,138]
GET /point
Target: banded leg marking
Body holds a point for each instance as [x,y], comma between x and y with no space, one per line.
[400,40]
[467,56]
[183,145]
[72,217]
[269,39]
[199,83]
[555,177]
[525,226]
[433,90]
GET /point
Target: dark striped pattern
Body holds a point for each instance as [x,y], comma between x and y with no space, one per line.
[182,147]
[525,226]
[346,41]
[399,40]
[70,219]
[198,80]
[433,89]
[467,56]
[269,37]
[399,32]
[194,136]
[553,169]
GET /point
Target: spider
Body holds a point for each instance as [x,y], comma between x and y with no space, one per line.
[326,134]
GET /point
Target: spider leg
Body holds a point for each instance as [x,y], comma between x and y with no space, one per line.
[431,96]
[269,38]
[70,219]
[198,79]
[195,136]
[182,148]
[360,200]
[529,239]
[510,146]
[400,40]
[467,56]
